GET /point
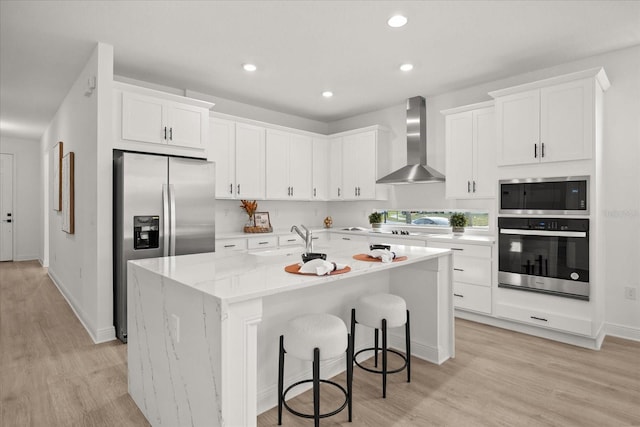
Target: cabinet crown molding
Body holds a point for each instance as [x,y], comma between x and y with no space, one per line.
[463,108]
[597,73]
[127,87]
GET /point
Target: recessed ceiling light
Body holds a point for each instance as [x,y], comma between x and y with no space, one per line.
[397,21]
[327,94]
[249,67]
[406,67]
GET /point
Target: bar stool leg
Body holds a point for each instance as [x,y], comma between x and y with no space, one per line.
[349,374]
[316,386]
[384,358]
[408,348]
[375,344]
[280,379]
[353,332]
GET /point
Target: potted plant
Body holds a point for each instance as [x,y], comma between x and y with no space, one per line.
[458,220]
[375,219]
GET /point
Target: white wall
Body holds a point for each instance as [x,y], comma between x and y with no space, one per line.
[79,262]
[27,232]
[620,169]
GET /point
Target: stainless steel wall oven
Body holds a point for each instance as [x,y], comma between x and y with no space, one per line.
[549,255]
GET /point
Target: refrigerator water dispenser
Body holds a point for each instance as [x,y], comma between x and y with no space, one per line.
[146,232]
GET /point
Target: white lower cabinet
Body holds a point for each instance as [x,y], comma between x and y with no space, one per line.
[290,240]
[395,240]
[545,318]
[471,275]
[262,242]
[227,245]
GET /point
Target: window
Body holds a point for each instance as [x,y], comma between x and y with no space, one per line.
[433,218]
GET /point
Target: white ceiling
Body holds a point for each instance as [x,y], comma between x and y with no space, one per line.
[301,48]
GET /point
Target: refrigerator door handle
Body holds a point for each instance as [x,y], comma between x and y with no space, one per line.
[165,220]
[172,220]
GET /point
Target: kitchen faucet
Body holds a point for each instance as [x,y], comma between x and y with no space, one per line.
[308,239]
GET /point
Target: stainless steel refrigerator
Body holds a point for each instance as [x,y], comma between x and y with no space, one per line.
[163,206]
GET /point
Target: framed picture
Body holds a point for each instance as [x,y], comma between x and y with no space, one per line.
[262,219]
[68,193]
[57,177]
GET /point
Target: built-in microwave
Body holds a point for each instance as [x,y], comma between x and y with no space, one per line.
[545,196]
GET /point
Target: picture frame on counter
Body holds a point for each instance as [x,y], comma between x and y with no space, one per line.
[262,219]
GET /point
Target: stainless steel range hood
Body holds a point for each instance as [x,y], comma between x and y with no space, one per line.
[416,171]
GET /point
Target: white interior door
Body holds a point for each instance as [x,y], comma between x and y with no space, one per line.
[6,207]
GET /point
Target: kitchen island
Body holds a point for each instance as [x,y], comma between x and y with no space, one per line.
[203,329]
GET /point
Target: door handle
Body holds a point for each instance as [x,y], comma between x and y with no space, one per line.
[165,220]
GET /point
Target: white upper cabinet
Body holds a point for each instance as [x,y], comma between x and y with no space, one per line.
[335,169]
[320,169]
[359,164]
[288,166]
[470,139]
[223,152]
[156,119]
[549,121]
[250,161]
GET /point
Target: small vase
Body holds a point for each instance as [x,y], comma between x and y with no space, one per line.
[458,230]
[376,225]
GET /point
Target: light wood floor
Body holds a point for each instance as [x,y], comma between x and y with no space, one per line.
[51,374]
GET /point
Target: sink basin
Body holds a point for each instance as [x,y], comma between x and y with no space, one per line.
[294,251]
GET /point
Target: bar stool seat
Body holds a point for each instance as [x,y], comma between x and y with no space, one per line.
[382,311]
[315,337]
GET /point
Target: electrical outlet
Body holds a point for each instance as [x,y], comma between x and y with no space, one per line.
[175,327]
[630,293]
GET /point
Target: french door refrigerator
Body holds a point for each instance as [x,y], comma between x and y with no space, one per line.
[163,206]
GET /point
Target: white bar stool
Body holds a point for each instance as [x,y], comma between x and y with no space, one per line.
[382,311]
[315,337]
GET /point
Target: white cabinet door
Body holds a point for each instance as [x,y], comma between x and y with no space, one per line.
[484,181]
[359,166]
[143,118]
[300,153]
[187,125]
[250,164]
[223,152]
[459,140]
[566,122]
[320,169]
[335,169]
[277,183]
[518,131]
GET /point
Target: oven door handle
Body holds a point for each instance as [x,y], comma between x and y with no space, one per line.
[543,233]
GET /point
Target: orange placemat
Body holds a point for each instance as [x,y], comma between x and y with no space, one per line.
[365,257]
[295,269]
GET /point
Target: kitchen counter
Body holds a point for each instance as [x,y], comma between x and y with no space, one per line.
[203,329]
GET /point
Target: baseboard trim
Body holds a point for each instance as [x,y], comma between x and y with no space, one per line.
[101,335]
[27,258]
[622,331]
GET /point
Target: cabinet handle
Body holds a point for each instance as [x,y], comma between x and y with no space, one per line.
[288,191]
[358,191]
[231,188]
[262,243]
[314,192]
[457,249]
[314,238]
[291,240]
[346,238]
[238,189]
[291,191]
[458,269]
[355,191]
[542,150]
[535,151]
[338,191]
[474,186]
[539,318]
[165,133]
[229,246]
[170,134]
[458,295]
[468,186]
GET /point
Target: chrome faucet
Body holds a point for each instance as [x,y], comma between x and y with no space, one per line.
[308,239]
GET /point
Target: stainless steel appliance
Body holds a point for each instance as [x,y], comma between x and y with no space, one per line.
[545,196]
[163,206]
[549,255]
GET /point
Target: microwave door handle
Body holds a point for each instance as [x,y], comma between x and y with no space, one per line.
[165,220]
[543,233]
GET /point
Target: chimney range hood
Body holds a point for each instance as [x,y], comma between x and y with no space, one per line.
[416,171]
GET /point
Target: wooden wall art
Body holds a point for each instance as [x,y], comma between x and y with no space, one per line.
[57,177]
[68,193]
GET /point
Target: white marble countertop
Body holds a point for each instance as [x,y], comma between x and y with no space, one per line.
[239,276]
